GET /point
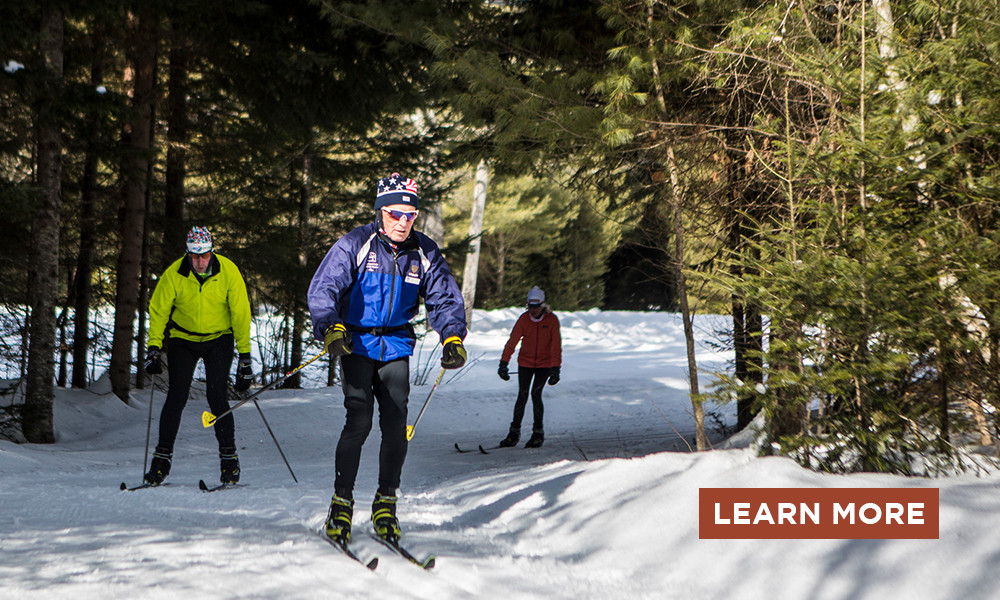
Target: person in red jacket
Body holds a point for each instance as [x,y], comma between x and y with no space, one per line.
[539,361]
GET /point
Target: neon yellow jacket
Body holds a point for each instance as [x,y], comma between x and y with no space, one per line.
[199,309]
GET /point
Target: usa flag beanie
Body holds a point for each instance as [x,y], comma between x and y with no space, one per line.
[396,189]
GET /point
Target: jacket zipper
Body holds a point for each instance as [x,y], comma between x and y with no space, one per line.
[392,294]
[538,337]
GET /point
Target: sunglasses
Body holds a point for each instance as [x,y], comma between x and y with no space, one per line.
[401,214]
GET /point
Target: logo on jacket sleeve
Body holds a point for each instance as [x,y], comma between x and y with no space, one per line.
[414,274]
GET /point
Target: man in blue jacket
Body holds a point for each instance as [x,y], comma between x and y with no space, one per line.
[361,300]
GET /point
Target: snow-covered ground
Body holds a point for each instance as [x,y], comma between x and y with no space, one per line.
[608,508]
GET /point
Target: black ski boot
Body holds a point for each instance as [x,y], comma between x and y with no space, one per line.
[512,438]
[338,521]
[159,468]
[384,518]
[230,465]
[536,441]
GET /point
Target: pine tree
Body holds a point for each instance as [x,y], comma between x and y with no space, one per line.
[44,259]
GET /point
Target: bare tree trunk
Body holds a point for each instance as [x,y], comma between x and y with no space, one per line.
[475,235]
[433,223]
[301,182]
[701,441]
[140,375]
[85,258]
[747,320]
[43,278]
[177,140]
[132,211]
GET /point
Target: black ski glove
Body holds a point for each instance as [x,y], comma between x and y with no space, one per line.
[503,372]
[338,341]
[153,365]
[244,373]
[453,354]
[554,375]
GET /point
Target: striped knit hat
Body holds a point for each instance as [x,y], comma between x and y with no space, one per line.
[396,189]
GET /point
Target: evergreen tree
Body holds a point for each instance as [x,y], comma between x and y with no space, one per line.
[874,330]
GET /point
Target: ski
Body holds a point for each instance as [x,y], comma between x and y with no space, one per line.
[464,451]
[223,486]
[342,545]
[426,564]
[125,488]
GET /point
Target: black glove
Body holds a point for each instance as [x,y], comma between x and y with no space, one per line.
[453,354]
[244,373]
[153,365]
[554,375]
[502,371]
[338,341]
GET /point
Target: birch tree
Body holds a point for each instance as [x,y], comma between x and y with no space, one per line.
[471,275]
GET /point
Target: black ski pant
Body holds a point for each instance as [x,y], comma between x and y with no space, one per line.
[365,382]
[182,357]
[524,386]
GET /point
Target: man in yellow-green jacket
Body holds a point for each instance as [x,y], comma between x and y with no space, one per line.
[201,305]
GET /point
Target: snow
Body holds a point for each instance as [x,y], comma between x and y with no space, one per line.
[607,508]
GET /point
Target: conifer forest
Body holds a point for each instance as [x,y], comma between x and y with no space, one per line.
[822,172]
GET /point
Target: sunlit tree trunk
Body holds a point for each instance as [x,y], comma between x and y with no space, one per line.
[475,235]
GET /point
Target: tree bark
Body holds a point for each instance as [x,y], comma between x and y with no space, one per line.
[177,140]
[88,207]
[433,223]
[145,265]
[302,184]
[747,321]
[43,288]
[475,235]
[138,145]
[701,440]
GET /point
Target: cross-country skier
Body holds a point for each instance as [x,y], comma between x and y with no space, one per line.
[361,301]
[540,359]
[201,304]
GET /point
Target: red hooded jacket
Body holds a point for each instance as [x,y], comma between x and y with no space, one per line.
[541,345]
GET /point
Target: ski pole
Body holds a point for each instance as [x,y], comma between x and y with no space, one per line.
[275,441]
[208,419]
[411,429]
[149,423]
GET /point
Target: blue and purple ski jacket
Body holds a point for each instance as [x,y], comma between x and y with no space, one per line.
[374,291]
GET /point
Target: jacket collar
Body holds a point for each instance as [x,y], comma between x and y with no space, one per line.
[410,243]
[214,266]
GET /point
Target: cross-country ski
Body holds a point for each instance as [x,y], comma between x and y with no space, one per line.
[371,563]
[426,563]
[222,486]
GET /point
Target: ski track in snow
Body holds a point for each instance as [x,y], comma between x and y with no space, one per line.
[607,508]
